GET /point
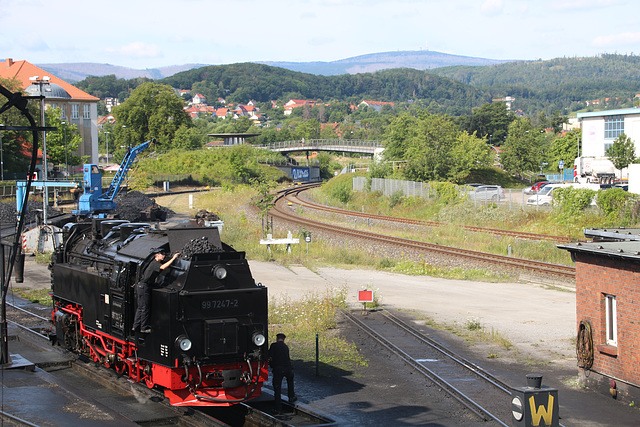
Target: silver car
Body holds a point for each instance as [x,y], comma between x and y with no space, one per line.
[487,193]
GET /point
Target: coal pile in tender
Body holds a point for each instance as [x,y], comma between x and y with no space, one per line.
[135,206]
[34,209]
[201,245]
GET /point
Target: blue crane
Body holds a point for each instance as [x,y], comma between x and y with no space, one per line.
[93,200]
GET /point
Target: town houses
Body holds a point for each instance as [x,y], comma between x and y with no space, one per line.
[197,107]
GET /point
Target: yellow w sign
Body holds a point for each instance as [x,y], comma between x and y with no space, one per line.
[541,412]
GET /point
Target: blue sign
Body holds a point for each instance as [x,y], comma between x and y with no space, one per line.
[561,164]
[300,174]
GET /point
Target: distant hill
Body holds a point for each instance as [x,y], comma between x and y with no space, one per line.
[418,60]
[76,71]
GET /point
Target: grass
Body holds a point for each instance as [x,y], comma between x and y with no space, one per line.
[314,315]
[39,296]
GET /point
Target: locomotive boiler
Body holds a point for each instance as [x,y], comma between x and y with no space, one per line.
[208,339]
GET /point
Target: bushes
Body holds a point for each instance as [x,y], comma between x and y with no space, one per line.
[572,201]
[446,192]
[340,188]
[620,207]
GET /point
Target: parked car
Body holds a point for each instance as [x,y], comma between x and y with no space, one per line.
[487,193]
[535,187]
[545,195]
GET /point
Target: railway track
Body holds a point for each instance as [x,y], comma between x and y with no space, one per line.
[487,397]
[287,213]
[34,321]
[293,197]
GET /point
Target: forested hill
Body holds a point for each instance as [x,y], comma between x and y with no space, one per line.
[263,83]
[544,74]
[565,85]
[558,83]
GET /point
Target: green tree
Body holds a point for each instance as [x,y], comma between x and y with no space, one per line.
[264,200]
[565,149]
[490,120]
[152,111]
[16,145]
[324,163]
[522,151]
[62,142]
[238,160]
[468,153]
[187,138]
[622,152]
[432,147]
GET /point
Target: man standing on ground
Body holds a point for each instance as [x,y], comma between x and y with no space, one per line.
[143,290]
[282,368]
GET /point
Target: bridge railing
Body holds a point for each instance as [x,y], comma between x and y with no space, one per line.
[310,143]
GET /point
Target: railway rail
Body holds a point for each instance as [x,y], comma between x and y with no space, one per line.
[285,213]
[484,395]
[293,198]
[31,318]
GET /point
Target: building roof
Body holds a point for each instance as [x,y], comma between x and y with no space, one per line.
[619,243]
[22,70]
[623,111]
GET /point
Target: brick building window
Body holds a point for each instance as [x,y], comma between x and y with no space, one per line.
[75,111]
[611,319]
[86,113]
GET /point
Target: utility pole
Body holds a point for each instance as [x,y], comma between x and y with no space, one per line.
[45,191]
[107,133]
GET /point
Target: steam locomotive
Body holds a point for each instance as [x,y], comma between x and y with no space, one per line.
[208,339]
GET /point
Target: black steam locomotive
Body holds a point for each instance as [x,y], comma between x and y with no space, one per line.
[208,340]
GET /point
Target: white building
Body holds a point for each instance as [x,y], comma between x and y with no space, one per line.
[601,128]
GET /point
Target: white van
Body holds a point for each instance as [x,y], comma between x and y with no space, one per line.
[544,196]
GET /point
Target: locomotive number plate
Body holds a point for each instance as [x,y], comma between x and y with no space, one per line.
[220,303]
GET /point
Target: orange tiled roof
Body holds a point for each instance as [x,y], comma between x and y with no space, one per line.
[22,70]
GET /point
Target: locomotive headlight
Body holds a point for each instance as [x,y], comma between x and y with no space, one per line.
[220,272]
[183,343]
[258,339]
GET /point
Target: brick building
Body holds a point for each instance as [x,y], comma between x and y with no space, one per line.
[608,311]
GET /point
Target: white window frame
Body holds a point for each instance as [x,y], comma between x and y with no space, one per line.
[86,111]
[613,126]
[611,317]
[75,111]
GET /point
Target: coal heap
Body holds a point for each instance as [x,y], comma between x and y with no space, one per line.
[135,206]
[200,245]
[8,212]
[204,215]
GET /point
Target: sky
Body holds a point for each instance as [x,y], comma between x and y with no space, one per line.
[150,34]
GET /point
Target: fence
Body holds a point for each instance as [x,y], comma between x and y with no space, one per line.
[514,198]
[566,175]
[390,186]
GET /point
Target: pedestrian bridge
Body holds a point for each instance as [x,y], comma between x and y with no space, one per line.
[362,146]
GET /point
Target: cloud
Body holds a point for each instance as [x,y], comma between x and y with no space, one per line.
[137,50]
[492,7]
[615,40]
